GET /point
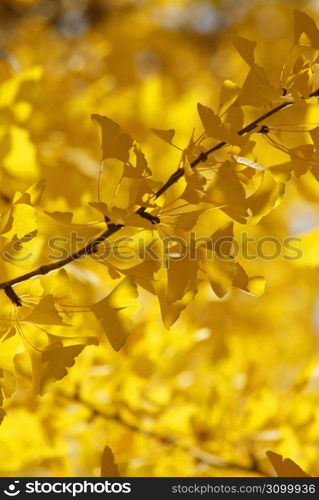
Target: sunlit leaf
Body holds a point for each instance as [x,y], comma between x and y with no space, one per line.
[45,313]
[114,312]
[114,143]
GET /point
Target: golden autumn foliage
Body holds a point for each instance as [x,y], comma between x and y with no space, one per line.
[159,238]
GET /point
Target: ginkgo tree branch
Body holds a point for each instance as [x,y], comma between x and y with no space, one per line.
[205,154]
[46,269]
[112,228]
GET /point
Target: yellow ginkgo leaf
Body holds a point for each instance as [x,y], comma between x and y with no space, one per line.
[228,94]
[24,219]
[188,219]
[302,158]
[114,143]
[32,196]
[216,259]
[210,121]
[141,169]
[54,362]
[64,217]
[305,25]
[227,191]
[57,285]
[181,278]
[235,117]
[165,135]
[100,207]
[195,182]
[303,82]
[221,240]
[45,313]
[142,273]
[285,467]
[256,89]
[267,197]
[220,275]
[216,129]
[108,465]
[246,49]
[282,171]
[112,192]
[114,311]
[170,311]
[254,285]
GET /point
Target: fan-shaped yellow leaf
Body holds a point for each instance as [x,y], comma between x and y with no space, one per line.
[45,313]
[114,311]
[228,95]
[266,197]
[54,362]
[165,135]
[114,143]
[304,24]
[246,49]
[64,217]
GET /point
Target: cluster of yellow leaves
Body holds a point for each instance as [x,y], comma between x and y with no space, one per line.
[205,382]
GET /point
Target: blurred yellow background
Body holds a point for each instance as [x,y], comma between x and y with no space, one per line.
[233,377]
